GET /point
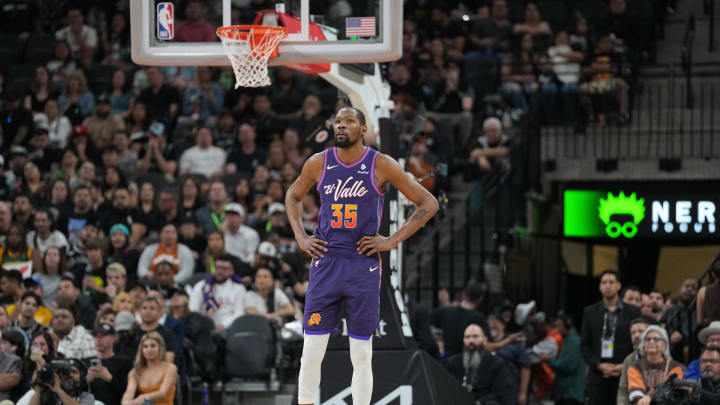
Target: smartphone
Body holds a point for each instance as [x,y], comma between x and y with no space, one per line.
[95,362]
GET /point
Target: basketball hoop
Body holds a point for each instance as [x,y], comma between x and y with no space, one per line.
[249,48]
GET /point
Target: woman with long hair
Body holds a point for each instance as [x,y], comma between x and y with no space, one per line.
[32,184]
[215,247]
[61,63]
[145,214]
[16,250]
[297,153]
[68,169]
[123,302]
[59,204]
[43,349]
[112,180]
[42,89]
[58,125]
[267,300]
[121,95]
[138,120]
[115,44]
[518,74]
[190,198]
[45,235]
[76,92]
[241,193]
[54,265]
[152,380]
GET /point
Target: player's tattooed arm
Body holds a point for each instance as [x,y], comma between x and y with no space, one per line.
[419,215]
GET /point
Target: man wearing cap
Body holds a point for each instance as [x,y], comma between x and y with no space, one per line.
[160,156]
[708,336]
[212,215]
[108,379]
[124,326]
[220,296]
[75,340]
[203,158]
[102,124]
[240,239]
[17,121]
[16,163]
[278,223]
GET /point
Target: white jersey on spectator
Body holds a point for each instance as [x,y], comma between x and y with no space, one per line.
[243,244]
[202,161]
[229,295]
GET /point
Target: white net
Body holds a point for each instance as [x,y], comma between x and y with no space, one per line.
[249,50]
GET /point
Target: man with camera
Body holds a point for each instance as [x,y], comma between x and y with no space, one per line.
[108,373]
[59,382]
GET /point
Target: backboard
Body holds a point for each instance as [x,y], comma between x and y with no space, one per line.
[366,31]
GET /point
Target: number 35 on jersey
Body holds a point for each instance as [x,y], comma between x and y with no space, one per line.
[344,216]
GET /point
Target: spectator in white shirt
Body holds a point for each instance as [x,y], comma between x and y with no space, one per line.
[44,234]
[81,38]
[203,158]
[220,296]
[240,239]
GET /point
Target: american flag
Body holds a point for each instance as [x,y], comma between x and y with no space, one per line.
[360,27]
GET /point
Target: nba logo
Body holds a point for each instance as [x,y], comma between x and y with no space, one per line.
[165,21]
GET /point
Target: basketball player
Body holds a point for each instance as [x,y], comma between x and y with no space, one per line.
[345,247]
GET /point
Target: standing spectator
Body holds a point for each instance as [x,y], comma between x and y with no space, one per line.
[17,121]
[515,356]
[45,235]
[492,34]
[632,295]
[568,366]
[108,379]
[195,28]
[605,340]
[81,38]
[203,158]
[658,303]
[452,320]
[483,374]
[220,296]
[654,367]
[162,100]
[240,240]
[680,320]
[75,340]
[708,297]
[637,329]
[167,250]
[247,155]
[102,125]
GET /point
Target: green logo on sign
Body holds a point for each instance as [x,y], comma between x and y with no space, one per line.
[624,205]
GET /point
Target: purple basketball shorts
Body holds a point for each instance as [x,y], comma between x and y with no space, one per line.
[353,281]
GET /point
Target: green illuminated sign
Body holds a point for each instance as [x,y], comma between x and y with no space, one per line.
[589,213]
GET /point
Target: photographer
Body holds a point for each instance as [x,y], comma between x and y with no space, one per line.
[654,366]
[60,382]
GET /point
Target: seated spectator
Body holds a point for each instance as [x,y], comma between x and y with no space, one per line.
[82,39]
[10,369]
[482,374]
[75,340]
[561,75]
[246,155]
[627,31]
[517,74]
[152,380]
[115,42]
[151,313]
[264,119]
[29,305]
[102,124]
[492,34]
[40,351]
[120,95]
[569,366]
[604,73]
[61,63]
[108,379]
[32,184]
[512,350]
[116,277]
[16,254]
[710,360]
[145,216]
[138,121]
[126,158]
[58,125]
[191,236]
[76,101]
[203,159]
[195,28]
[68,291]
[45,235]
[533,24]
[198,330]
[268,300]
[123,302]
[212,215]
[637,329]
[653,367]
[41,153]
[119,212]
[491,152]
[161,100]
[105,315]
[70,387]
[168,249]
[240,240]
[160,156]
[120,250]
[164,282]
[82,213]
[11,287]
[22,209]
[41,89]
[220,296]
[202,101]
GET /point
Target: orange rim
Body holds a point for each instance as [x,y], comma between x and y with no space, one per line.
[241,32]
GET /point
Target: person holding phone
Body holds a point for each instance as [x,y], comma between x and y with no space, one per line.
[107,375]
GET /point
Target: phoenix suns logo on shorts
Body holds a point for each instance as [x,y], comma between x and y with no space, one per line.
[314,319]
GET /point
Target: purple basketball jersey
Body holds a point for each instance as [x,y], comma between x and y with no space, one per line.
[350,202]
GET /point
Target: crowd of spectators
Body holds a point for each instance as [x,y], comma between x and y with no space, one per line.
[141,208]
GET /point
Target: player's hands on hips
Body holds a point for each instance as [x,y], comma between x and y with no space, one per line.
[311,245]
[373,245]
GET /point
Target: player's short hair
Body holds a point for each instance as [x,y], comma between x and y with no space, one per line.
[358,113]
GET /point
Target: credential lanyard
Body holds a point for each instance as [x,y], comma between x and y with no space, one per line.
[218,221]
[613,326]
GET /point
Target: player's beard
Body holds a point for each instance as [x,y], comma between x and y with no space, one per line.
[346,143]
